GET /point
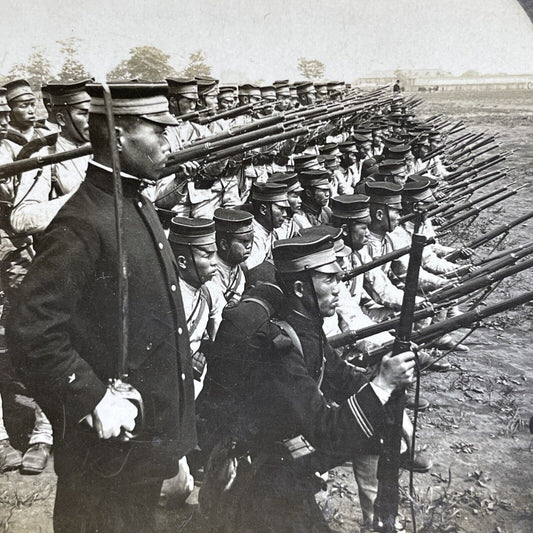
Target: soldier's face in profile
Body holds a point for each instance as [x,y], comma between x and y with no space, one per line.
[23,113]
[144,149]
[239,247]
[327,292]
[4,123]
[187,105]
[279,215]
[204,257]
[394,217]
[74,122]
[226,102]
[358,231]
[295,201]
[321,196]
[211,101]
[284,103]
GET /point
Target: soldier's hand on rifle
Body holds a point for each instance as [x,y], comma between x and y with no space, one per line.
[112,415]
[394,372]
[438,221]
[188,170]
[465,253]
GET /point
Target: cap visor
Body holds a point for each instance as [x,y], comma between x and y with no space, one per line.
[282,203]
[329,268]
[164,118]
[345,251]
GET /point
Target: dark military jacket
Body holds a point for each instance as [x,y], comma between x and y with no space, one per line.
[64,332]
[316,217]
[268,390]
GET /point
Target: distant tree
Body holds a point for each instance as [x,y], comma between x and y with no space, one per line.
[72,68]
[311,69]
[197,65]
[36,70]
[145,62]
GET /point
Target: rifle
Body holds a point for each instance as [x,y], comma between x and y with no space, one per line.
[471,285]
[193,115]
[235,112]
[389,461]
[483,239]
[434,331]
[224,153]
[379,261]
[477,210]
[33,163]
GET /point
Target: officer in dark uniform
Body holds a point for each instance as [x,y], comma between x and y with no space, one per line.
[64,330]
[263,399]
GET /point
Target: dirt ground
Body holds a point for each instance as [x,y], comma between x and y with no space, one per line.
[476,430]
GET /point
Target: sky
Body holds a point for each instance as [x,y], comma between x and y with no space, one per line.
[260,40]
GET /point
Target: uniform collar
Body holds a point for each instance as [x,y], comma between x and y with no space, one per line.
[102,176]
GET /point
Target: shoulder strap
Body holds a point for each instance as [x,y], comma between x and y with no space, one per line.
[289,330]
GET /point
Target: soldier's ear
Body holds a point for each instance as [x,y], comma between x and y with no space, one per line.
[182,262]
[298,288]
[60,118]
[119,137]
[224,244]
[263,209]
[379,214]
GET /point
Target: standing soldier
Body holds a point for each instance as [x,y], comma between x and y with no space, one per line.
[70,294]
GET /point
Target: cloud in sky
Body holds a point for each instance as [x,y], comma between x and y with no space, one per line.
[262,39]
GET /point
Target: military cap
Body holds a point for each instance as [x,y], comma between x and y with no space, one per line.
[249,90]
[234,221]
[192,231]
[362,139]
[320,84]
[301,254]
[433,181]
[334,86]
[422,139]
[292,90]
[398,151]
[207,86]
[3,100]
[144,100]
[305,87]
[330,149]
[289,179]
[305,162]
[392,141]
[418,191]
[231,90]
[385,193]
[391,167]
[330,161]
[340,249]
[45,95]
[275,193]
[347,147]
[187,87]
[268,92]
[68,93]
[18,90]
[317,179]
[350,206]
[282,88]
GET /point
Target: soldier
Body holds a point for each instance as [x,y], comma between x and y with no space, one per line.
[227,97]
[22,103]
[268,95]
[348,162]
[321,91]
[207,92]
[105,484]
[315,198]
[334,90]
[42,193]
[234,236]
[273,410]
[195,194]
[295,101]
[294,189]
[269,208]
[306,93]
[50,122]
[283,95]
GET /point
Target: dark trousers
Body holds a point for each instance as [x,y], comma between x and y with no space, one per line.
[89,504]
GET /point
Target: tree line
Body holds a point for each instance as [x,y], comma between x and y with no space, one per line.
[143,62]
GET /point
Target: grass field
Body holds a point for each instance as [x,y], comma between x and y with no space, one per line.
[476,428]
